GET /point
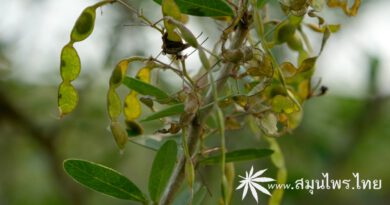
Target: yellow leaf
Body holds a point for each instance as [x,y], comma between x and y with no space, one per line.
[343,4]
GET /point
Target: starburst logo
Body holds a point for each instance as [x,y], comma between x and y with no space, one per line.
[250,181]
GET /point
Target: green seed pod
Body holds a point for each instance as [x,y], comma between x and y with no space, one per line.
[118,73]
[119,134]
[190,173]
[295,43]
[67,98]
[285,33]
[114,105]
[84,24]
[204,59]
[70,63]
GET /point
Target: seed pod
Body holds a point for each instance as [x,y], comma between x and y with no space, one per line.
[84,24]
[132,106]
[119,134]
[70,63]
[119,73]
[67,98]
[114,105]
[242,54]
[285,33]
[204,59]
[190,172]
[144,74]
[295,43]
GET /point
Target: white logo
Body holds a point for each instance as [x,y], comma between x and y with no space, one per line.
[249,181]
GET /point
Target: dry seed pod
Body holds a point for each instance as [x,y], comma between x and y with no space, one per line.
[172,47]
[242,54]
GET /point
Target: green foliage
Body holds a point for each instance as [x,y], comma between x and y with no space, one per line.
[103,179]
[145,88]
[169,111]
[162,168]
[238,155]
[268,93]
[203,7]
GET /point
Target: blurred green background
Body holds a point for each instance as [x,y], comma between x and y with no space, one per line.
[345,131]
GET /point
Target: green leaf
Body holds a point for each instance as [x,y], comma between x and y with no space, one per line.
[162,168]
[239,155]
[144,88]
[153,143]
[67,98]
[70,63]
[172,110]
[103,179]
[203,7]
[84,25]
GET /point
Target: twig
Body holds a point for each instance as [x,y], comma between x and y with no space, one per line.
[196,127]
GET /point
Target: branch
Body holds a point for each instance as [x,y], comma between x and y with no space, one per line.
[197,123]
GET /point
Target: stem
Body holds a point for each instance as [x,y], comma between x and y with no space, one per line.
[196,127]
[141,16]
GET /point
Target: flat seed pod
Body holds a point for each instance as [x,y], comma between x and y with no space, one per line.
[119,73]
[144,74]
[84,24]
[132,109]
[114,104]
[67,98]
[70,63]
[119,134]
